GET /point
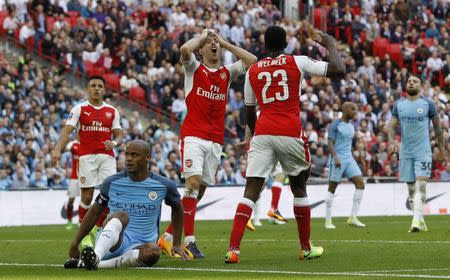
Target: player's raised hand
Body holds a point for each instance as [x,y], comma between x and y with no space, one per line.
[55,157]
[73,251]
[109,145]
[323,38]
[178,252]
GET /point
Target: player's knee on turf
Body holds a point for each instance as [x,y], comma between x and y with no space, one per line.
[149,254]
[121,216]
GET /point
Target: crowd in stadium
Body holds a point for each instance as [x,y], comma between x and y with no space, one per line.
[137,45]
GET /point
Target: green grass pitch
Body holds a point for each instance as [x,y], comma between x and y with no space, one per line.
[383,250]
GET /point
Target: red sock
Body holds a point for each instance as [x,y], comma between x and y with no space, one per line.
[243,214]
[169,229]
[69,212]
[190,208]
[276,193]
[82,209]
[303,217]
[102,217]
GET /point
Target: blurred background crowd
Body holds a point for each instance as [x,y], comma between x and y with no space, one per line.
[135,46]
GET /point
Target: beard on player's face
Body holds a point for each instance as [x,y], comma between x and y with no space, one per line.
[412,91]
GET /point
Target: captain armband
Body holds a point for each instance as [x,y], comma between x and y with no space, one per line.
[101,200]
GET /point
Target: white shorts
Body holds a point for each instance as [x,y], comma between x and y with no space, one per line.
[266,150]
[93,169]
[74,189]
[200,157]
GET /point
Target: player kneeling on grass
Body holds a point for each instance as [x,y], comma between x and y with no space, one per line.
[129,235]
[342,163]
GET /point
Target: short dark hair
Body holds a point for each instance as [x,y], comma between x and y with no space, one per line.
[417,76]
[96,77]
[275,38]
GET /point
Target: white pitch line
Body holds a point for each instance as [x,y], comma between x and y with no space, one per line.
[404,270]
[282,272]
[336,241]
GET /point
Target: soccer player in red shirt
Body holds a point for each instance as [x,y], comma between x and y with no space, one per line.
[74,189]
[273,83]
[202,131]
[97,122]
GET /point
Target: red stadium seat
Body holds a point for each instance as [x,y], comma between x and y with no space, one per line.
[50,22]
[112,81]
[317,18]
[380,46]
[3,16]
[137,94]
[395,51]
[73,14]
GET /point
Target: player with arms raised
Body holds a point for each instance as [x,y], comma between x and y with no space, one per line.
[342,163]
[96,122]
[202,132]
[273,83]
[414,113]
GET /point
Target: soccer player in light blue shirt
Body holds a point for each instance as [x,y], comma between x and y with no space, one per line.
[129,235]
[342,163]
[414,113]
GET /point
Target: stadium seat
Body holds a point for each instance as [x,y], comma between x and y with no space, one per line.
[380,46]
[50,23]
[112,81]
[317,13]
[395,51]
[137,94]
[428,42]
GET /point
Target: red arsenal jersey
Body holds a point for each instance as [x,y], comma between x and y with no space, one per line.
[274,84]
[206,99]
[95,126]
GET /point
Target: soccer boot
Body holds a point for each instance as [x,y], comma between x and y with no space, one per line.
[73,263]
[314,252]
[165,246]
[257,222]
[415,226]
[194,250]
[353,221]
[250,226]
[232,256]
[86,242]
[423,225]
[89,258]
[276,215]
[69,225]
[329,225]
[274,221]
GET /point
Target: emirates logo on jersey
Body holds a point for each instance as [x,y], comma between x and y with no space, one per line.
[188,162]
[223,76]
[108,115]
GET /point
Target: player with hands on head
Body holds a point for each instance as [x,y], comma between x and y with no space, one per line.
[202,132]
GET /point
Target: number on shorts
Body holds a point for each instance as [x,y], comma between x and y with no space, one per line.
[425,165]
[268,77]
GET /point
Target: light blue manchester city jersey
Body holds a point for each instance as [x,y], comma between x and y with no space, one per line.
[342,134]
[414,118]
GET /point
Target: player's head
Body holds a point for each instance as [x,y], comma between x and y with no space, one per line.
[211,49]
[349,110]
[275,39]
[137,156]
[96,87]
[414,84]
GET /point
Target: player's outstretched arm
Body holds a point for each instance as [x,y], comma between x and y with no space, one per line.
[86,226]
[393,124]
[246,57]
[440,138]
[177,223]
[61,143]
[188,48]
[336,65]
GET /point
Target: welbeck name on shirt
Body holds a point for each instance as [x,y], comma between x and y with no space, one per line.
[267,63]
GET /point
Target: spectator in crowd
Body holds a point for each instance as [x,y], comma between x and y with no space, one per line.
[444,175]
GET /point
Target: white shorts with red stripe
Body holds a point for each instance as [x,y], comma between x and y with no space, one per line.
[200,157]
[93,169]
[266,150]
[74,188]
